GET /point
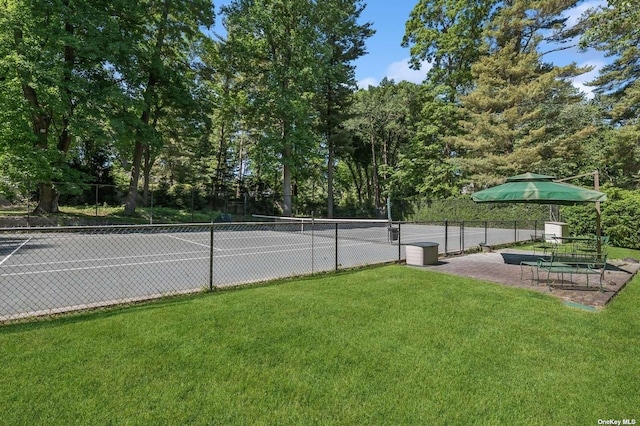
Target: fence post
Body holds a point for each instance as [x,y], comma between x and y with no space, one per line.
[192,202]
[399,245]
[312,242]
[515,231]
[485,233]
[336,250]
[462,237]
[211,259]
[446,236]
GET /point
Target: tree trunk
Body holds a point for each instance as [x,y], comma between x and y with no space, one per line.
[132,197]
[330,182]
[149,99]
[287,207]
[48,202]
[146,171]
[357,182]
[240,180]
[374,174]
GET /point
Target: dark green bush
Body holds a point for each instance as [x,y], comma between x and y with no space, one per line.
[621,218]
[466,209]
[581,219]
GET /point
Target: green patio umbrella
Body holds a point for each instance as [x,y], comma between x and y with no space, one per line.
[542,189]
[539,189]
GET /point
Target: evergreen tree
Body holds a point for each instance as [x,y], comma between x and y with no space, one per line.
[511,121]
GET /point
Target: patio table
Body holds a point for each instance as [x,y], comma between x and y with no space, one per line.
[573,241]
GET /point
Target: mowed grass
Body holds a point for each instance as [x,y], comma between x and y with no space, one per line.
[387,345]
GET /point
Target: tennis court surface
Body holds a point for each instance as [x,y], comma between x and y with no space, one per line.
[51,270]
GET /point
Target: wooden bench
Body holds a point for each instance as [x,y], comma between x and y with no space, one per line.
[569,264]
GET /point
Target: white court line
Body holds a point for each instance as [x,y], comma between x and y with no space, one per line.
[155,262]
[192,242]
[13,252]
[101,259]
[48,271]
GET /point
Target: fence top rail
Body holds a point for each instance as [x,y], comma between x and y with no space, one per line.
[159,226]
[102,227]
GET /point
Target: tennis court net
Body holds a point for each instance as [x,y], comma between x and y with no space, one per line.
[372,230]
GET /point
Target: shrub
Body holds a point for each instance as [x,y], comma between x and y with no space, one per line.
[621,218]
[581,219]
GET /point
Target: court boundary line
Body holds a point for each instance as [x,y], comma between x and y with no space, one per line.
[193,242]
[85,268]
[98,259]
[14,251]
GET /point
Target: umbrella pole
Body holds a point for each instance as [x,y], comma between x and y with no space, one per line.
[596,186]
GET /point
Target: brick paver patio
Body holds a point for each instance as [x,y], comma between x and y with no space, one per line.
[503,267]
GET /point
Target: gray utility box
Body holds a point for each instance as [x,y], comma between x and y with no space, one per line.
[421,254]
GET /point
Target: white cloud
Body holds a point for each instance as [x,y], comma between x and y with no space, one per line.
[580,80]
[575,13]
[399,71]
[365,83]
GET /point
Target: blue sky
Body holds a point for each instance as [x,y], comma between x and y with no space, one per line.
[386,58]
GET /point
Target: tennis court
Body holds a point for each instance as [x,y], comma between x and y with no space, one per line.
[53,270]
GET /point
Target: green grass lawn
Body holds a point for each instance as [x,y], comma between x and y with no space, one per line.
[388,345]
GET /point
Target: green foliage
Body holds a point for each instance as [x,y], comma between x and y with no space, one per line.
[448,35]
[621,218]
[581,219]
[427,165]
[518,117]
[466,209]
[613,29]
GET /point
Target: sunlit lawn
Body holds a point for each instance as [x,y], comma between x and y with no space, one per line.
[389,345]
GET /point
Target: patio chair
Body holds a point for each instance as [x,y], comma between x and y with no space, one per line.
[545,242]
[591,246]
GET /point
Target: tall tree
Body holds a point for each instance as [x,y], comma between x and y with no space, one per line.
[383,121]
[342,41]
[427,166]
[511,118]
[163,42]
[277,43]
[55,52]
[614,30]
[448,35]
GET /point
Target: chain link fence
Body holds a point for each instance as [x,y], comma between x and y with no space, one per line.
[60,269]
